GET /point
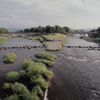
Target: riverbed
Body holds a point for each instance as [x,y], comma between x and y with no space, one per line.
[76,71]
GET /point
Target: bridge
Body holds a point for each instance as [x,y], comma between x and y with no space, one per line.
[88,32]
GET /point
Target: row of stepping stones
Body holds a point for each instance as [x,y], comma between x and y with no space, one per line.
[29,47]
[89,47]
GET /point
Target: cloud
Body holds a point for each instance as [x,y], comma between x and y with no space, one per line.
[28,13]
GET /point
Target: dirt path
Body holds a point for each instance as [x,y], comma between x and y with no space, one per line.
[54,44]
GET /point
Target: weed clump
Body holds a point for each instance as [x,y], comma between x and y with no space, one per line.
[12,76]
[47,56]
[37,90]
[46,62]
[9,58]
[22,74]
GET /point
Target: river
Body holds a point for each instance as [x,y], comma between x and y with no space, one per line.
[76,71]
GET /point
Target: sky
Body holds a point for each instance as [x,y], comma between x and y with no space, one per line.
[33,13]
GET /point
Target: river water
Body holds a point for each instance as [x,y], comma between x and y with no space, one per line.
[76,71]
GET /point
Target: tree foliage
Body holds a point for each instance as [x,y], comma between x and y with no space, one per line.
[3,30]
[49,29]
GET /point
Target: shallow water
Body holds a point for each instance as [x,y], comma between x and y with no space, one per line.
[76,71]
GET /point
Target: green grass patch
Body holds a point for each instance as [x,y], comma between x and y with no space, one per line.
[46,62]
[9,58]
[47,56]
[12,76]
[97,39]
[4,38]
[22,74]
[36,90]
[35,38]
[56,36]
[40,81]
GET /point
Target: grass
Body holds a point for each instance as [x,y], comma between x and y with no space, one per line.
[40,81]
[35,38]
[97,39]
[9,58]
[12,76]
[47,56]
[36,90]
[46,62]
[22,74]
[54,36]
[36,73]
[4,38]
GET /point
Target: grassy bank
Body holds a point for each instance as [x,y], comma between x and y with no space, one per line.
[4,38]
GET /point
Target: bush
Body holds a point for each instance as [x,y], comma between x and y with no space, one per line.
[46,62]
[40,81]
[37,90]
[48,74]
[12,76]
[9,58]
[22,74]
[13,97]
[34,70]
[21,91]
[32,97]
[47,56]
[27,63]
[97,39]
[7,86]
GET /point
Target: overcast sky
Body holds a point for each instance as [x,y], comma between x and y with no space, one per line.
[32,13]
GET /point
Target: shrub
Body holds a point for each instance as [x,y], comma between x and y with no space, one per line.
[12,76]
[22,74]
[47,56]
[7,86]
[97,39]
[32,97]
[9,58]
[27,63]
[13,97]
[40,81]
[46,62]
[48,74]
[35,70]
[21,91]
[37,90]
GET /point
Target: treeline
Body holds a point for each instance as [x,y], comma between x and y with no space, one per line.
[3,30]
[97,34]
[49,29]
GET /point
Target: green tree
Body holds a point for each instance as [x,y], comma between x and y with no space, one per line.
[66,28]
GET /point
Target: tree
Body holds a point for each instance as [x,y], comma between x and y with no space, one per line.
[98,29]
[93,30]
[66,28]
[27,30]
